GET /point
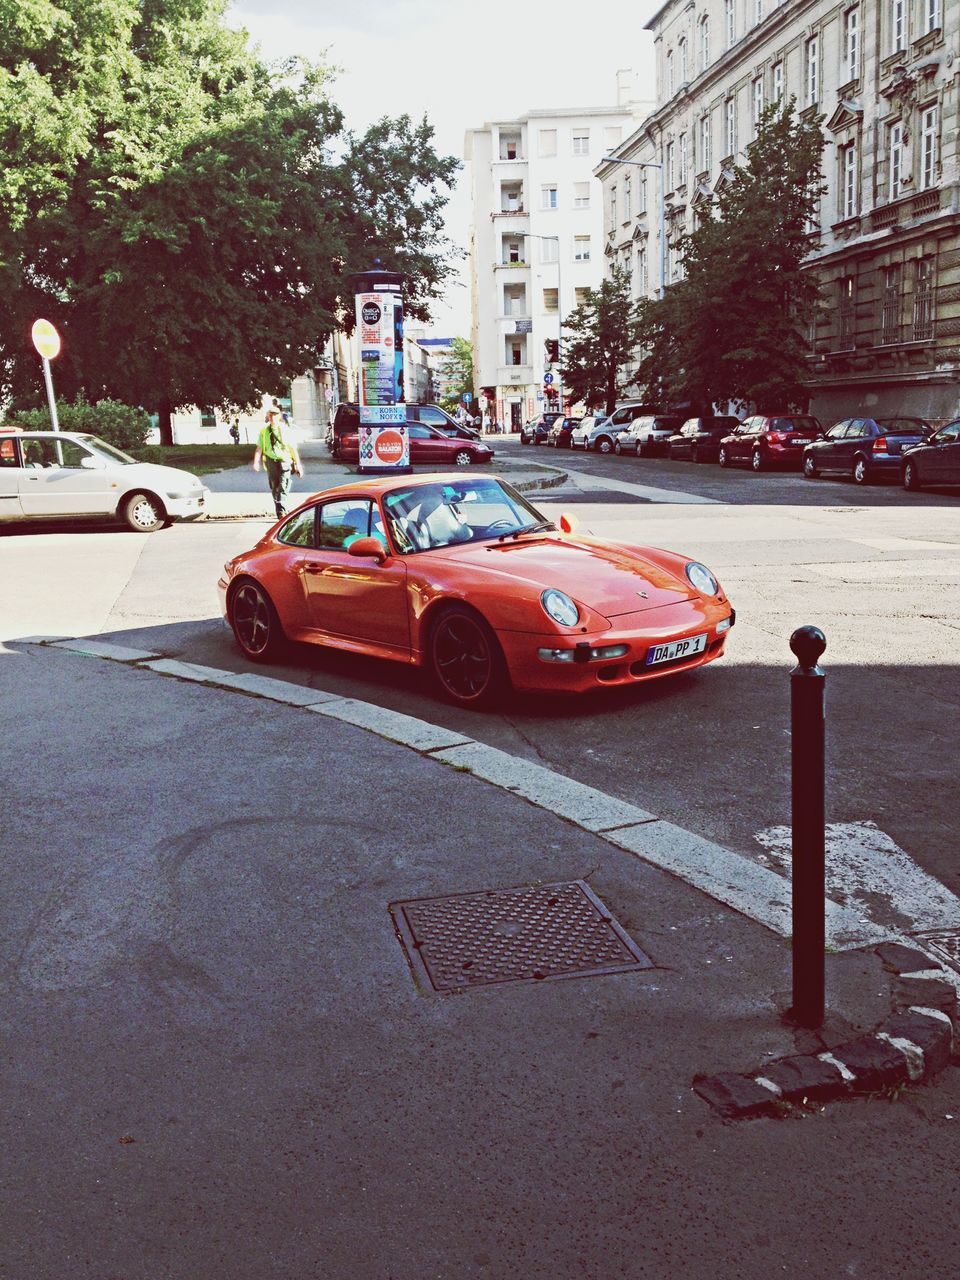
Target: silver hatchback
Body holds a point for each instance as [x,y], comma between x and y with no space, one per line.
[648,435]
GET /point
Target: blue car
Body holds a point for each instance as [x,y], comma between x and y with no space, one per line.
[863,448]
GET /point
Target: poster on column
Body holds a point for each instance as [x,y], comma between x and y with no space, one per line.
[380,326]
[384,443]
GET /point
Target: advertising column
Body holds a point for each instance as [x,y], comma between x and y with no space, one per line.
[384,444]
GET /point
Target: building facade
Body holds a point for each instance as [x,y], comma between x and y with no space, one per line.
[885,76]
[536,245]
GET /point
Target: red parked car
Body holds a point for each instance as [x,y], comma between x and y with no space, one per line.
[765,441]
[429,445]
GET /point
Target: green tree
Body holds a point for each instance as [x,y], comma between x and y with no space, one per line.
[599,340]
[458,374]
[733,327]
[191,218]
[118,424]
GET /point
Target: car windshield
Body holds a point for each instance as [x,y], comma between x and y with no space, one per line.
[425,516]
[794,424]
[104,450]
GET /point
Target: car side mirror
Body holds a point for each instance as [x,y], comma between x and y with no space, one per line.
[93,464]
[368,548]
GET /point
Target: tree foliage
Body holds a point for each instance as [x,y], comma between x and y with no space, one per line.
[186,215]
[458,374]
[119,424]
[599,339]
[733,327]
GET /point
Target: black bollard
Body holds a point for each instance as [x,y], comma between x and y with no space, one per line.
[807,682]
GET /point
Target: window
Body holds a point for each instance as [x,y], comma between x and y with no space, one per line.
[890,314]
[923,300]
[342,523]
[704,43]
[514,251]
[642,270]
[581,195]
[848,181]
[509,146]
[682,159]
[757,104]
[669,76]
[851,42]
[581,142]
[613,208]
[758,11]
[548,142]
[683,65]
[729,23]
[551,301]
[928,148]
[299,531]
[549,249]
[52,453]
[581,248]
[847,310]
[548,197]
[706,140]
[778,82]
[514,351]
[627,198]
[931,13]
[514,300]
[642,200]
[671,168]
[895,160]
[581,296]
[898,25]
[730,127]
[626,261]
[812,70]
[612,135]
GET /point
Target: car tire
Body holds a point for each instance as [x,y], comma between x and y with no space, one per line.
[911,477]
[465,658]
[255,622]
[756,461]
[860,473]
[618,448]
[463,458]
[722,457]
[604,445]
[143,513]
[809,467]
[524,440]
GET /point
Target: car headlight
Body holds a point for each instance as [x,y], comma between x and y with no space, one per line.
[558,606]
[702,579]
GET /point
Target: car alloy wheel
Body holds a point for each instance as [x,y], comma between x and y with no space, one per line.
[144,513]
[756,460]
[911,477]
[604,444]
[465,657]
[255,622]
[860,472]
[810,467]
[722,457]
[463,458]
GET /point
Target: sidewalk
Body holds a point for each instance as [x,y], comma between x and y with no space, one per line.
[225,1062]
[242,493]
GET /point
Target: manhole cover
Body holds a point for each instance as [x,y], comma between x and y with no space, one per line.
[513,935]
[945,944]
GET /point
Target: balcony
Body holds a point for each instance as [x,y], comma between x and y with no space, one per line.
[510,213]
[516,375]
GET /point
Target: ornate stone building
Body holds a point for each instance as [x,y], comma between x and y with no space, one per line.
[885,75]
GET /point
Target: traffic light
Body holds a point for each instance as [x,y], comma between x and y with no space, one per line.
[552,347]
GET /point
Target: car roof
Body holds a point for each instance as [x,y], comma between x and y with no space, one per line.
[376,486]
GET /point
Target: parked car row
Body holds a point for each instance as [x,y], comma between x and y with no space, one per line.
[865,449]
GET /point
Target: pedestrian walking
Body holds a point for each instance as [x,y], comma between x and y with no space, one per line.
[235,431]
[278,449]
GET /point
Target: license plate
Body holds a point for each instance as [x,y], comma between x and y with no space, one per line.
[676,649]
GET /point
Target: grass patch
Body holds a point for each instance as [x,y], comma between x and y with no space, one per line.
[200,459]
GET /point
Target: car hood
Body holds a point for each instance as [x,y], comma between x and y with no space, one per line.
[156,476]
[607,578]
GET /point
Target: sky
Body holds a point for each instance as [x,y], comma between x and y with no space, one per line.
[461,63]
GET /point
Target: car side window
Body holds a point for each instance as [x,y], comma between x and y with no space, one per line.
[8,453]
[837,432]
[342,523]
[435,416]
[948,435]
[299,529]
[417,433]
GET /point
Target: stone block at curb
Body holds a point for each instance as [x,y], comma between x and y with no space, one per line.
[100,649]
[806,1078]
[898,958]
[734,1096]
[875,1064]
[932,1036]
[932,993]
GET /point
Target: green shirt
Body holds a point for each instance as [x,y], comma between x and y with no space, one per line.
[284,450]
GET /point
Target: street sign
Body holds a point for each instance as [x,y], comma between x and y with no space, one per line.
[45,339]
[539,395]
[467,397]
[548,378]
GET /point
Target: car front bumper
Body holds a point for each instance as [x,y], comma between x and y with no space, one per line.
[189,508]
[636,635]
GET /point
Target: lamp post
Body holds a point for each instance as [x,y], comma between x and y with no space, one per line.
[649,164]
[530,235]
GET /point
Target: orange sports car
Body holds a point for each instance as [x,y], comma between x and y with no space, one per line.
[462,575]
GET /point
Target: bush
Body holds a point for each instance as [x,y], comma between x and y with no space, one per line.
[119,424]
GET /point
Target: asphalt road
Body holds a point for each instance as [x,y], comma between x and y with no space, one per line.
[876,568]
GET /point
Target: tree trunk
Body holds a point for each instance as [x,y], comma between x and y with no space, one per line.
[165,422]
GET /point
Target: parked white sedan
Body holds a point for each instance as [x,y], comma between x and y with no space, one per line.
[581,432]
[56,475]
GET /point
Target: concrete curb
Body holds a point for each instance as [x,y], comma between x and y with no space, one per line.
[914,1043]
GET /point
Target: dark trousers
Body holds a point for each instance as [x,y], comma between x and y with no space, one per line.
[279,474]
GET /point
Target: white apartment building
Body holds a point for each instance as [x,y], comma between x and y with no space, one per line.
[885,74]
[536,244]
